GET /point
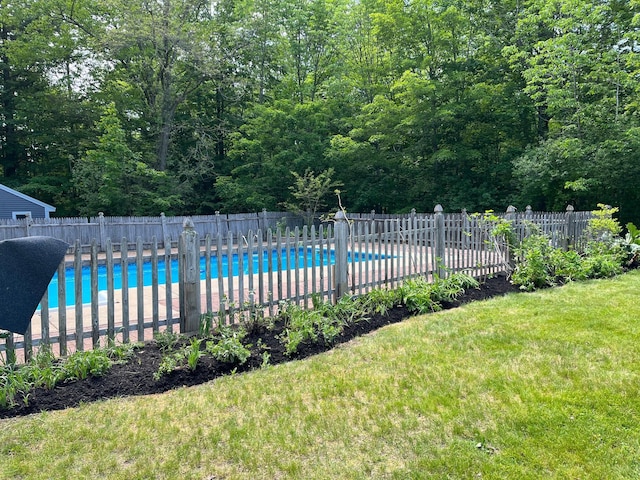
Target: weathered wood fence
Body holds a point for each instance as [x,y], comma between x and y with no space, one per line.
[126,294]
[165,229]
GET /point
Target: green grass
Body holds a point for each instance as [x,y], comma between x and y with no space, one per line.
[537,385]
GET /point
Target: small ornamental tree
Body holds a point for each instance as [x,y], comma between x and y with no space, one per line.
[310,192]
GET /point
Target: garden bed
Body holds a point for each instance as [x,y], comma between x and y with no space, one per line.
[136,376]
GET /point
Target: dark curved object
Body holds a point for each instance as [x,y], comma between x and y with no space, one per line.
[26,268]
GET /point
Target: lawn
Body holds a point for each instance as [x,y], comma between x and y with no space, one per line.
[536,385]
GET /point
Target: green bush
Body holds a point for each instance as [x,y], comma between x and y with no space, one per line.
[539,265]
[379,301]
[228,347]
[533,268]
[603,259]
[82,364]
[420,296]
[324,322]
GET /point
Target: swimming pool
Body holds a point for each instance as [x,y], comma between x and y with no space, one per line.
[295,257]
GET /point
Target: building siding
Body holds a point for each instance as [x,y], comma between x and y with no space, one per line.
[10,203]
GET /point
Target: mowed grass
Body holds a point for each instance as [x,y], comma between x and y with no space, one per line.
[540,385]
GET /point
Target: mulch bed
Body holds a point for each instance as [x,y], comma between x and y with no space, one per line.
[136,376]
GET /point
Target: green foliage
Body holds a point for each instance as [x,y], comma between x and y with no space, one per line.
[324,321]
[417,296]
[633,234]
[15,385]
[205,326]
[301,326]
[310,192]
[187,356]
[379,300]
[603,259]
[533,263]
[412,105]
[632,243]
[46,371]
[80,365]
[499,233]
[421,296]
[228,347]
[539,264]
[166,340]
[603,227]
[194,353]
[497,227]
[169,363]
[113,179]
[225,346]
[120,353]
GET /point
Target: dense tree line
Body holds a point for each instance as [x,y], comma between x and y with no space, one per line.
[192,106]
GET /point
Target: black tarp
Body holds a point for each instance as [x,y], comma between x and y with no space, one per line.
[26,268]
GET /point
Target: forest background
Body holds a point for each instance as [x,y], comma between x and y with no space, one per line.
[136,107]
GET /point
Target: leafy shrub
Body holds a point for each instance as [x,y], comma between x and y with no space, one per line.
[533,263]
[228,348]
[379,301]
[540,265]
[603,259]
[566,266]
[632,244]
[421,296]
[80,365]
[417,295]
[166,340]
[603,227]
[323,321]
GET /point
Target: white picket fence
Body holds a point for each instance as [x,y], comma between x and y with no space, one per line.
[90,301]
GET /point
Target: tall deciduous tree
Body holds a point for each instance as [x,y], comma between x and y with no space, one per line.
[161,53]
[112,179]
[575,58]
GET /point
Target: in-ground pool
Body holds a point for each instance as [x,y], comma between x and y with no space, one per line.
[300,257]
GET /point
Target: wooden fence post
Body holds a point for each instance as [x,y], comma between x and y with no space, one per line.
[570,228]
[189,266]
[528,213]
[163,226]
[27,224]
[466,230]
[518,230]
[218,224]
[341,233]
[441,270]
[265,225]
[103,235]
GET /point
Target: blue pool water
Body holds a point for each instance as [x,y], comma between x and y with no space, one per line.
[300,257]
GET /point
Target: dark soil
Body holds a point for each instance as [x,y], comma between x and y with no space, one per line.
[136,376]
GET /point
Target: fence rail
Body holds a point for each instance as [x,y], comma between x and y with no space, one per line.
[128,294]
